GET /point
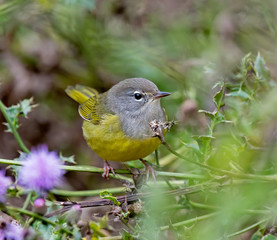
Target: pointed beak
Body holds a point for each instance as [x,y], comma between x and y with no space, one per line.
[160,95]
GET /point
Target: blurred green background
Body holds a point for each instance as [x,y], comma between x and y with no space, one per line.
[183,46]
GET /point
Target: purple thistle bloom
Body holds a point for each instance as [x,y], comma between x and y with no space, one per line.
[4,184]
[41,170]
[11,231]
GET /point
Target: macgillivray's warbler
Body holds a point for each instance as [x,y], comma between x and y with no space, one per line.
[116,122]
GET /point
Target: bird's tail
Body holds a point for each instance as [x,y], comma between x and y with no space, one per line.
[81,93]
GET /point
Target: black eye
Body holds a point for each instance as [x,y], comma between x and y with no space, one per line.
[137,95]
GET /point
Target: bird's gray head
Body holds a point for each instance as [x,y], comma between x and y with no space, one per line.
[137,102]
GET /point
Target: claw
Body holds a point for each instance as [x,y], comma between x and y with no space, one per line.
[149,168]
[107,169]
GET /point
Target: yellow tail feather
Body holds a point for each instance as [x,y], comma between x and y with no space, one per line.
[81,93]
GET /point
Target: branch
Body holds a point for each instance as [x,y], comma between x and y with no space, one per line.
[92,169]
[130,198]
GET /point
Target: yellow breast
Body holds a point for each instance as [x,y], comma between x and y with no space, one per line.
[109,142]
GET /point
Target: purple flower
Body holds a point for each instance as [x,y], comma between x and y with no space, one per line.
[4,184]
[39,202]
[11,231]
[41,170]
[39,206]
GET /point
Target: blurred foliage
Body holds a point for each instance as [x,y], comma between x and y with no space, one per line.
[199,51]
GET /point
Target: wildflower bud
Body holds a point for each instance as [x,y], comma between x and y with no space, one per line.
[39,206]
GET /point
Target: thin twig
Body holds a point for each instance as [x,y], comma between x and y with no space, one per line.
[130,198]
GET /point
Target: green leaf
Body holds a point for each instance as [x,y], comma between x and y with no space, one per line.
[69,159]
[221,119]
[108,195]
[269,237]
[256,236]
[94,226]
[206,137]
[22,108]
[26,106]
[240,93]
[263,73]
[125,235]
[104,221]
[218,98]
[13,112]
[246,64]
[193,144]
[209,114]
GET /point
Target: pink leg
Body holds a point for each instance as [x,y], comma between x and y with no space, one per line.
[107,169]
[148,169]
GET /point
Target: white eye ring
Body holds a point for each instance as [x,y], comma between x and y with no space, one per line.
[138,96]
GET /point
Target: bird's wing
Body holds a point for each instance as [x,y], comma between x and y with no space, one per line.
[88,99]
[81,93]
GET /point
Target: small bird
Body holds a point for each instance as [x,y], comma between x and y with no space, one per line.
[116,122]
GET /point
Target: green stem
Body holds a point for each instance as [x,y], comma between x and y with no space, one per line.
[228,173]
[122,171]
[157,158]
[181,175]
[213,124]
[247,228]
[202,206]
[27,201]
[125,222]
[189,221]
[191,161]
[10,162]
[83,168]
[210,207]
[87,193]
[35,215]
[12,127]
[96,192]
[269,178]
[111,238]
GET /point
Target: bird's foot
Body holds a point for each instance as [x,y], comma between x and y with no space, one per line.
[107,169]
[148,169]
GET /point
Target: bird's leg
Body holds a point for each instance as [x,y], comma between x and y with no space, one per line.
[107,169]
[148,168]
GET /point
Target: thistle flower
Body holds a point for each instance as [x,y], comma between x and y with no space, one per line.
[4,184]
[41,170]
[11,230]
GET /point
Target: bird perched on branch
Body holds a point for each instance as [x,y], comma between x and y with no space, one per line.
[116,122]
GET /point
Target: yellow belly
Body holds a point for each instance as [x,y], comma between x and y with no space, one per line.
[109,142]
